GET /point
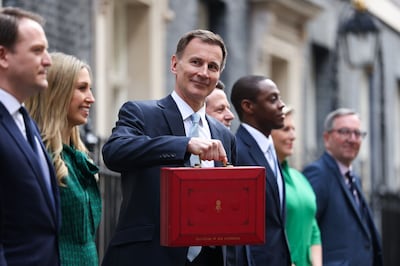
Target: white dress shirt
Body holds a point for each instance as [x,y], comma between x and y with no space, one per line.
[186,111]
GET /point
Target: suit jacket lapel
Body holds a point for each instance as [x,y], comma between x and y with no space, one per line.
[31,157]
[16,134]
[53,180]
[364,213]
[172,116]
[215,134]
[258,158]
[349,198]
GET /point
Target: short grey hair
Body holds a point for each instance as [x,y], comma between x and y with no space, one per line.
[331,117]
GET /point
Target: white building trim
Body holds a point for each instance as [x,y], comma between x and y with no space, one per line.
[385,10]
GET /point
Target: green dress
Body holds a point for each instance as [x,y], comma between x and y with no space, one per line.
[301,225]
[80,210]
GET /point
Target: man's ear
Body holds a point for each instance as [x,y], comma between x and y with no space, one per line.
[326,135]
[3,57]
[174,62]
[247,106]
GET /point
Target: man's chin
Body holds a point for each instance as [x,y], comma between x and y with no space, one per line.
[279,126]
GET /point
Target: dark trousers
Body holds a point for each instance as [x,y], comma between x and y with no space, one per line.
[207,257]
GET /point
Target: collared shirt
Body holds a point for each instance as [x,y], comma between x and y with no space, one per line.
[342,168]
[264,143]
[12,105]
[186,111]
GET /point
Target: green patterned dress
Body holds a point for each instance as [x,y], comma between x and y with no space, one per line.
[80,209]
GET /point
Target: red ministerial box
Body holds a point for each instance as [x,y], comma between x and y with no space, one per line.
[212,206]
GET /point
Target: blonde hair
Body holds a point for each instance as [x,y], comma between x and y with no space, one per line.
[49,109]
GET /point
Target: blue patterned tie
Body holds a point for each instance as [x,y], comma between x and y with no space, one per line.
[194,251]
[194,132]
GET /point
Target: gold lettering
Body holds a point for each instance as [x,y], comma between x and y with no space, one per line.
[218,205]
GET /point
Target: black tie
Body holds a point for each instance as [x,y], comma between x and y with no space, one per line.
[28,128]
[351,183]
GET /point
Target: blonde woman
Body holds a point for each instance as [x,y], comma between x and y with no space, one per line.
[59,111]
[301,225]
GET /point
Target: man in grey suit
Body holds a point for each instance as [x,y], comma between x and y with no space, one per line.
[348,233]
[152,134]
[29,205]
[259,106]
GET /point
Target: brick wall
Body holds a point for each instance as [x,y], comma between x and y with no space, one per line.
[69,24]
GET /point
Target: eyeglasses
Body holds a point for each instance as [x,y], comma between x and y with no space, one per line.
[347,132]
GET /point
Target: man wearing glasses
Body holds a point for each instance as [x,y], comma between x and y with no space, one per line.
[348,233]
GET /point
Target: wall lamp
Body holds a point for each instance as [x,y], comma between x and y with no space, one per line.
[360,37]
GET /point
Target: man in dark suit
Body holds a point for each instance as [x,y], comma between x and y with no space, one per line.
[29,207]
[348,234]
[258,104]
[152,134]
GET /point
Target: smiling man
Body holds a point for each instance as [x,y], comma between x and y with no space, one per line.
[152,134]
[259,106]
[217,105]
[348,232]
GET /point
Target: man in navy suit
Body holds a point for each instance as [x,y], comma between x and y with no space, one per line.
[29,212]
[258,104]
[153,134]
[348,234]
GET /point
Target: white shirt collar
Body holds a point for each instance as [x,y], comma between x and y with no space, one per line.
[186,111]
[262,141]
[9,101]
[342,168]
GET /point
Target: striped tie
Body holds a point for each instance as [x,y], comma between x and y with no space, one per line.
[351,184]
